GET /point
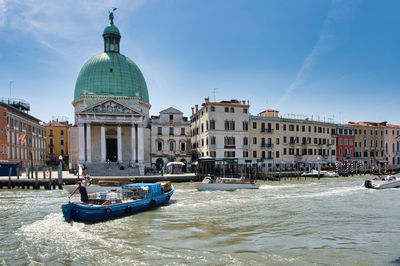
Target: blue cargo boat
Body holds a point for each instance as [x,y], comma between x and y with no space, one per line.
[109,205]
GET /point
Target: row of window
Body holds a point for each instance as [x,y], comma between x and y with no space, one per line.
[365,154]
[51,133]
[358,144]
[212,109]
[14,123]
[171,146]
[398,132]
[345,141]
[171,131]
[365,132]
[51,151]
[291,127]
[61,142]
[393,147]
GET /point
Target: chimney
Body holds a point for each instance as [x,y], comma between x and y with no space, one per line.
[206,99]
[244,101]
[197,108]
[192,110]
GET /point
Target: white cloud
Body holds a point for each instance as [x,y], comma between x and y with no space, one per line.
[3,11]
[48,20]
[338,12]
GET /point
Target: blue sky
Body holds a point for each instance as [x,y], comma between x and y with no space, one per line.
[326,59]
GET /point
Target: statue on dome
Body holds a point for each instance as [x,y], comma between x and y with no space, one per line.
[111,15]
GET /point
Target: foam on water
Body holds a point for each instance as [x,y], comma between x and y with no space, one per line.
[296,223]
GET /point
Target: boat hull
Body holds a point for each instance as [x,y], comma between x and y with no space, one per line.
[223,186]
[381,184]
[79,212]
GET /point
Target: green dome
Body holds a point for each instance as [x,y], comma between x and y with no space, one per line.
[111,74]
[111,29]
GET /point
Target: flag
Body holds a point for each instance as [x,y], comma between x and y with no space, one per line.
[22,138]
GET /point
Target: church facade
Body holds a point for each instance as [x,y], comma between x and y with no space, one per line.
[112,106]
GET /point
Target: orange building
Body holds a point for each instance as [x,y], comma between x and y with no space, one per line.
[57,139]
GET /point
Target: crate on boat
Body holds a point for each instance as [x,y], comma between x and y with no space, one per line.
[135,193]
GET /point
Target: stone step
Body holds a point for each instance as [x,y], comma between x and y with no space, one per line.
[113,169]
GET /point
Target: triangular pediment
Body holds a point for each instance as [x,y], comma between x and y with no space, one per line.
[110,107]
[171,110]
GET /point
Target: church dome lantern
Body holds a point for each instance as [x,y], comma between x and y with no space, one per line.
[111,36]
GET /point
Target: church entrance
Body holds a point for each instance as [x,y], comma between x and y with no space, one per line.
[111,150]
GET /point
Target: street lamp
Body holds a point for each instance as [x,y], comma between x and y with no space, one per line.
[60,170]
[319,166]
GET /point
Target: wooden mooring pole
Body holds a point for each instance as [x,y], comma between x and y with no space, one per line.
[9,177]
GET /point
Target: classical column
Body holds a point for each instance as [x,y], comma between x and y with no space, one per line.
[140,144]
[81,142]
[133,142]
[103,143]
[88,143]
[119,142]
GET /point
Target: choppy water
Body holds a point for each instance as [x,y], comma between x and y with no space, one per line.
[327,221]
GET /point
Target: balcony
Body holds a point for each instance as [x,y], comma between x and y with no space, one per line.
[213,146]
[266,130]
[51,145]
[298,156]
[245,147]
[292,143]
[267,145]
[171,134]
[230,147]
[159,133]
[270,157]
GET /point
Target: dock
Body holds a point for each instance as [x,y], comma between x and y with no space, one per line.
[50,180]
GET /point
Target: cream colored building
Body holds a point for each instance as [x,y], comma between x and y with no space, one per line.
[369,147]
[170,138]
[289,144]
[220,130]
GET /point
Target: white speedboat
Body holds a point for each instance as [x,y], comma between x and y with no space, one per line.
[330,174]
[380,183]
[226,184]
[314,173]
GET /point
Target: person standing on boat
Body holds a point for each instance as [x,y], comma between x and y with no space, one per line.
[82,191]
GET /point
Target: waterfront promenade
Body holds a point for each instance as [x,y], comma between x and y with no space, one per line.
[50,179]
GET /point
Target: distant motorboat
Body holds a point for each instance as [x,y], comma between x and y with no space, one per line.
[225,184]
[381,183]
[314,173]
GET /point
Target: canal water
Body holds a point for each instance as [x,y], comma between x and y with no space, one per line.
[298,222]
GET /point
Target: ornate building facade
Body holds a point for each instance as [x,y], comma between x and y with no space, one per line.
[23,137]
[170,138]
[112,108]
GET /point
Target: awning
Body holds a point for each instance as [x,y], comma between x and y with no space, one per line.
[175,163]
